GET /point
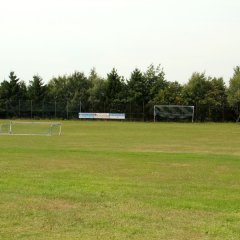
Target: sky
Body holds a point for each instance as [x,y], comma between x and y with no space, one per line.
[57,37]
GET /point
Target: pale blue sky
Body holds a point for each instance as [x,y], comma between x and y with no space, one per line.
[55,37]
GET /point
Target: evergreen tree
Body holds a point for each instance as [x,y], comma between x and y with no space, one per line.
[37,89]
[115,94]
[137,89]
[14,89]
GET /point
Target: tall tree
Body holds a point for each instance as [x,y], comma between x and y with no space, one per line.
[234,92]
[115,94]
[216,99]
[77,88]
[195,92]
[154,81]
[57,88]
[37,89]
[97,92]
[137,89]
[14,89]
[170,94]
[70,92]
[11,92]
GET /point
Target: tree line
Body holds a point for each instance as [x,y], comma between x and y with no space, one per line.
[64,96]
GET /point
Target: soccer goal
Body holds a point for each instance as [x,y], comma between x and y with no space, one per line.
[31,128]
[173,113]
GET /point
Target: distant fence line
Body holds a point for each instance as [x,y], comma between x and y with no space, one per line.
[67,109]
[57,109]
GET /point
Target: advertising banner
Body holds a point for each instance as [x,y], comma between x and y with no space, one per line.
[117,116]
[86,115]
[101,115]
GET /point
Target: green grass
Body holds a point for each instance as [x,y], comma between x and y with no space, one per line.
[119,180]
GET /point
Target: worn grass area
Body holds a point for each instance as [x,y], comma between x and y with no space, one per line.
[117,180]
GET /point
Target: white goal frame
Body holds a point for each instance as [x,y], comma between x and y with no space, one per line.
[174,106]
[49,127]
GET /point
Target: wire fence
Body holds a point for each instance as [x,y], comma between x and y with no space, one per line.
[54,109]
[69,110]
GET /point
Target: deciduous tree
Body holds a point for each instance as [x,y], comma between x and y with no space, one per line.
[234,92]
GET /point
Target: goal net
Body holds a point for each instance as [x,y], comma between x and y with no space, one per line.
[173,112]
[31,128]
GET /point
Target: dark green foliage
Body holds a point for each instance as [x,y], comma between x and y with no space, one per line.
[64,96]
[216,99]
[234,92]
[77,90]
[70,93]
[115,94]
[37,89]
[202,92]
[11,93]
[137,89]
[14,89]
[97,92]
[170,94]
[155,81]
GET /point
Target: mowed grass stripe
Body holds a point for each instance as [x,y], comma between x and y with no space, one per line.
[129,136]
[86,172]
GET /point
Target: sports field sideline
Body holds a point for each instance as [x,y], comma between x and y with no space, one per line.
[122,180]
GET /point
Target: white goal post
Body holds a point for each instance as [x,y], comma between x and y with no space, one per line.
[173,112]
[31,128]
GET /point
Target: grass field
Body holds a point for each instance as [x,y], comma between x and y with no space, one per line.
[119,180]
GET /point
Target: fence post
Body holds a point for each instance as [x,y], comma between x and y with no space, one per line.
[31,109]
[154,113]
[67,109]
[7,109]
[19,109]
[143,111]
[55,108]
[130,110]
[223,113]
[42,109]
